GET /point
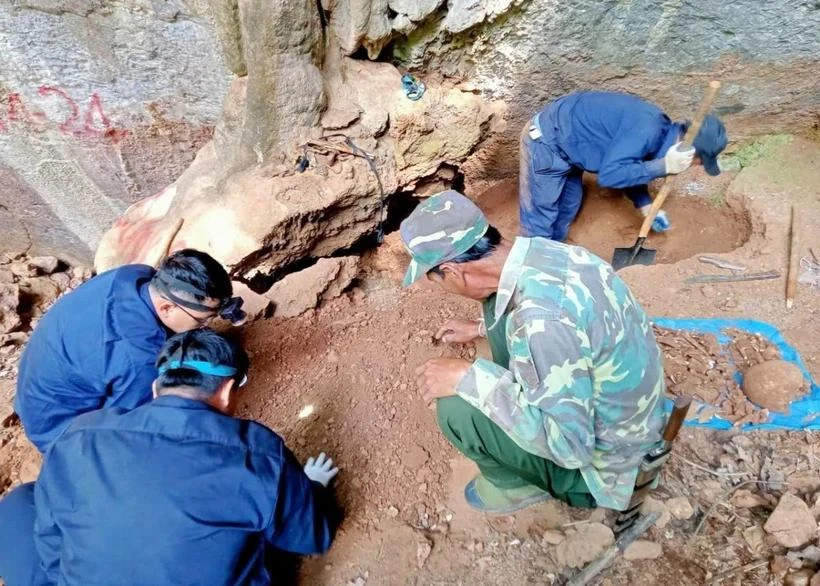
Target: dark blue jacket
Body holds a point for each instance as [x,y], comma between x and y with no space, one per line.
[620,137]
[96,346]
[173,493]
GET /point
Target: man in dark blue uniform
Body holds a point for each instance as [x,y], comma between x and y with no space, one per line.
[628,142]
[173,492]
[97,345]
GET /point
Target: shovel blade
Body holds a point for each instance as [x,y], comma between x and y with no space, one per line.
[635,255]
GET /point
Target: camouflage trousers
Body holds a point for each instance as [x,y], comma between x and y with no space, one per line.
[499,458]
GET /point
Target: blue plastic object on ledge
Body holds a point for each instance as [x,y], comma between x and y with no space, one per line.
[804,413]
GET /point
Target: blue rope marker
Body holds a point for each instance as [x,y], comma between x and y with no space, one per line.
[804,414]
[413,88]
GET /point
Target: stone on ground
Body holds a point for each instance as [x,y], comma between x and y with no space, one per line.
[255,305]
[643,550]
[583,544]
[299,292]
[791,523]
[652,504]
[774,384]
[680,507]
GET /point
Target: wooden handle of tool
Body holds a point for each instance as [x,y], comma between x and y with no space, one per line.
[791,279]
[689,137]
[676,418]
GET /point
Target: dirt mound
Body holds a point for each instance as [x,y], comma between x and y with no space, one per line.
[697,365]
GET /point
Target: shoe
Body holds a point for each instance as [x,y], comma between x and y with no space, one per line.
[484,496]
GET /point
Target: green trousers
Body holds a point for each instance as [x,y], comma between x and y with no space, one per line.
[499,458]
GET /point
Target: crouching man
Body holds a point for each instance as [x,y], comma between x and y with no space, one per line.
[173,492]
[572,399]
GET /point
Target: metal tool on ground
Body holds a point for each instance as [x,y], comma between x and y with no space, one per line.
[722,264]
[791,278]
[630,525]
[637,254]
[700,279]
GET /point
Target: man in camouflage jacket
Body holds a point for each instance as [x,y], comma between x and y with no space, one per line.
[572,399]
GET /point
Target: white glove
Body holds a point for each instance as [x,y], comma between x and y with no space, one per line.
[321,469]
[661,222]
[677,161]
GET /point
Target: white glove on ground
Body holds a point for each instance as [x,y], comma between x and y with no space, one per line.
[321,469]
[677,161]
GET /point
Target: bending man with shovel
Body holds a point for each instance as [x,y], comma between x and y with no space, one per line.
[627,141]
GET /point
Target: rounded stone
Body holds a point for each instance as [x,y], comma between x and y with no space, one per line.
[774,384]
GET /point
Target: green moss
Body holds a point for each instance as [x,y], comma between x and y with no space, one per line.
[759,149]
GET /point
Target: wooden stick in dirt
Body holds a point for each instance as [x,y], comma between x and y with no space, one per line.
[791,280]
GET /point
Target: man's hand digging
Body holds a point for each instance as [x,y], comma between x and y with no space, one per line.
[459,331]
[439,377]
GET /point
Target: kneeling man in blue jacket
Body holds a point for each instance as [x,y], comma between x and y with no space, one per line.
[173,492]
[627,141]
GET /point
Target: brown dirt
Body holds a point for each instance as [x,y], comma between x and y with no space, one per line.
[608,219]
[697,365]
[352,361]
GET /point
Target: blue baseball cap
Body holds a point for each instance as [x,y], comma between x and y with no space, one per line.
[710,142]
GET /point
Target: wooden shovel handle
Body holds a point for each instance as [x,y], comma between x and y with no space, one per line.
[676,418]
[694,128]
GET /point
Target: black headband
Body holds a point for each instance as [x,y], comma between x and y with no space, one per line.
[228,309]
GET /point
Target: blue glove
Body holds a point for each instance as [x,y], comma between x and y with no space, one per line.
[661,222]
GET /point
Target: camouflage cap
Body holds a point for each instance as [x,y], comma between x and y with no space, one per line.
[439,229]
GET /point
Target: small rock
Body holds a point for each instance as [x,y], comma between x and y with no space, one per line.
[552,537]
[791,523]
[332,356]
[9,301]
[256,306]
[598,515]
[746,499]
[779,566]
[774,384]
[44,264]
[650,505]
[810,555]
[22,269]
[643,550]
[415,457]
[754,537]
[583,545]
[62,280]
[392,511]
[708,291]
[423,549]
[799,577]
[680,507]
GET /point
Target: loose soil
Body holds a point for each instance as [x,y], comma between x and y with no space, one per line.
[608,219]
[341,379]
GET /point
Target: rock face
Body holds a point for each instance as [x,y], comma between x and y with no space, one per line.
[262,216]
[107,103]
[774,384]
[542,49]
[791,523]
[103,103]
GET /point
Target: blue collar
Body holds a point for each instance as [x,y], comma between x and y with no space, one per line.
[178,402]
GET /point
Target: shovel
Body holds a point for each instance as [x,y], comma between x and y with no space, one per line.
[638,255]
